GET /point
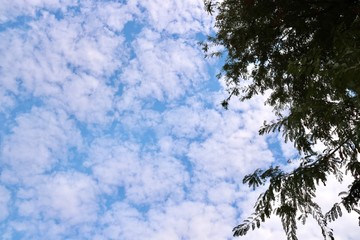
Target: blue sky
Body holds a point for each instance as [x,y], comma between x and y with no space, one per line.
[112,127]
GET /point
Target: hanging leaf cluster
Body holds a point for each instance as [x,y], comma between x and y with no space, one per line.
[307,54]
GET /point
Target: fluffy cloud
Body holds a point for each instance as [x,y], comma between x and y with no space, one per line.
[164,69]
[64,197]
[146,179]
[67,60]
[4,203]
[40,141]
[56,206]
[177,17]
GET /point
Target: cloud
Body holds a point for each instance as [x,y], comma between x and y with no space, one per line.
[146,179]
[164,69]
[177,17]
[15,10]
[57,206]
[67,62]
[64,197]
[192,220]
[233,148]
[39,142]
[5,198]
[122,222]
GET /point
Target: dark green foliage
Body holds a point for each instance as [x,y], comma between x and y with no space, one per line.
[307,54]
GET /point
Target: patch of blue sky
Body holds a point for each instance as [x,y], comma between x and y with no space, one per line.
[84,129]
[74,9]
[22,105]
[187,163]
[58,13]
[200,37]
[20,22]
[6,126]
[213,68]
[114,130]
[142,208]
[275,148]
[213,83]
[14,235]
[111,1]
[107,201]
[76,69]
[155,104]
[113,81]
[74,161]
[146,137]
[130,31]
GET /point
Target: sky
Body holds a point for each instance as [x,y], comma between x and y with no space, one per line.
[112,127]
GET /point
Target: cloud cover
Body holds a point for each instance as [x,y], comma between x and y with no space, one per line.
[112,127]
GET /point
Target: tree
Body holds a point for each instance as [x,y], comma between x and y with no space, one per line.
[307,53]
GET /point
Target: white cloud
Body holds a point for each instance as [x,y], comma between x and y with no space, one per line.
[233,151]
[122,222]
[116,15]
[164,69]
[38,142]
[192,220]
[66,61]
[5,198]
[67,197]
[177,17]
[146,179]
[57,206]
[11,9]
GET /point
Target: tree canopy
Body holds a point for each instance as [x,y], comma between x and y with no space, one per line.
[307,53]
